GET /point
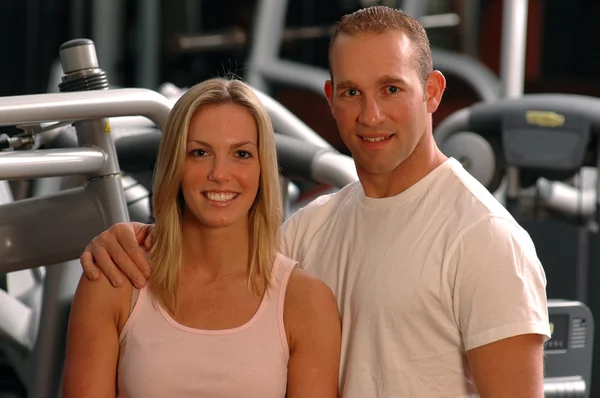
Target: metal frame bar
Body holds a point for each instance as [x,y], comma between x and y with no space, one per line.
[34,340]
[512,71]
[148,39]
[108,28]
[414,8]
[50,163]
[84,105]
[285,122]
[514,43]
[265,66]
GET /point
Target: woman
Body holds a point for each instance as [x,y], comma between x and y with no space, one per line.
[224,314]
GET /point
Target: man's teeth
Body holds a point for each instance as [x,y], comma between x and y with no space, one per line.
[376,139]
[220,197]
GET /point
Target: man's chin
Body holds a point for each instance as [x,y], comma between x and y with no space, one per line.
[376,169]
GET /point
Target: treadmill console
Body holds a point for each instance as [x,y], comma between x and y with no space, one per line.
[568,353]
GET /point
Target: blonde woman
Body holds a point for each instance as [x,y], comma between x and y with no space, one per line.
[225,314]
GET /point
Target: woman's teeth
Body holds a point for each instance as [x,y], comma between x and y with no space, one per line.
[220,197]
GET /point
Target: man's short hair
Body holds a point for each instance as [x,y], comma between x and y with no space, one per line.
[381,19]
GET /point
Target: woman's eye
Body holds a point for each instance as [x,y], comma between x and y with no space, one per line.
[197,152]
[244,154]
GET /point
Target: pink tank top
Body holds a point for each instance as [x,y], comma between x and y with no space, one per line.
[159,357]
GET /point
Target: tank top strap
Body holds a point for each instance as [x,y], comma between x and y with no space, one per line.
[282,269]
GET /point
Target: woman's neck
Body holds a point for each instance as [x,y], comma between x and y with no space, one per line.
[215,252]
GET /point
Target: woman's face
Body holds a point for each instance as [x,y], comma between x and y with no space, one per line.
[221,172]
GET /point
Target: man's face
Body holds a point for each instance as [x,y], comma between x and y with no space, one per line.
[379,103]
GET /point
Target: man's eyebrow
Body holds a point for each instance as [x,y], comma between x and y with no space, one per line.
[387,79]
[392,80]
[343,85]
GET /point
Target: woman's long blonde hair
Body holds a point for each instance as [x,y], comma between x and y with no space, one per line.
[265,215]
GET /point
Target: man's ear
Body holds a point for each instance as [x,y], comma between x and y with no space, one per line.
[328,88]
[434,89]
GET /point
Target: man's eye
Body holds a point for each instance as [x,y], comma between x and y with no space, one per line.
[351,92]
[393,89]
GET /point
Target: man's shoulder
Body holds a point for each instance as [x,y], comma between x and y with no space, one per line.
[469,200]
[465,211]
[325,204]
[305,223]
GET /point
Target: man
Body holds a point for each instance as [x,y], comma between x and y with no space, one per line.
[440,290]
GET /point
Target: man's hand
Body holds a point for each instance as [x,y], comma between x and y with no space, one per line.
[117,254]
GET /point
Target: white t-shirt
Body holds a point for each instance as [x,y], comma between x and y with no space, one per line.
[420,278]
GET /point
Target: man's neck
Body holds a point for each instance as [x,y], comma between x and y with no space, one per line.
[425,158]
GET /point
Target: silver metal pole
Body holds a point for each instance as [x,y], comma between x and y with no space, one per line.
[470,27]
[50,163]
[83,105]
[512,72]
[285,122]
[334,168]
[598,188]
[148,58]
[514,43]
[415,8]
[46,367]
[6,195]
[304,76]
[481,79]
[108,32]
[268,27]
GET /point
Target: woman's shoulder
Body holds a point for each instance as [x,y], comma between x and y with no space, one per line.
[307,297]
[300,282]
[101,295]
[311,317]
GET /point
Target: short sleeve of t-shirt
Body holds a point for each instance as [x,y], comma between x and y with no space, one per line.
[299,230]
[498,284]
[289,233]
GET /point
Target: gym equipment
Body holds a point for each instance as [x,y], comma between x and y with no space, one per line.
[572,201]
[137,194]
[537,135]
[237,38]
[33,322]
[568,353]
[108,30]
[524,142]
[514,43]
[266,67]
[550,136]
[33,338]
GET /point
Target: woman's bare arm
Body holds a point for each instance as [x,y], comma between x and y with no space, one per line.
[97,314]
[313,328]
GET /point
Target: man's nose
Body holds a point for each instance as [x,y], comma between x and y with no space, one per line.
[370,113]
